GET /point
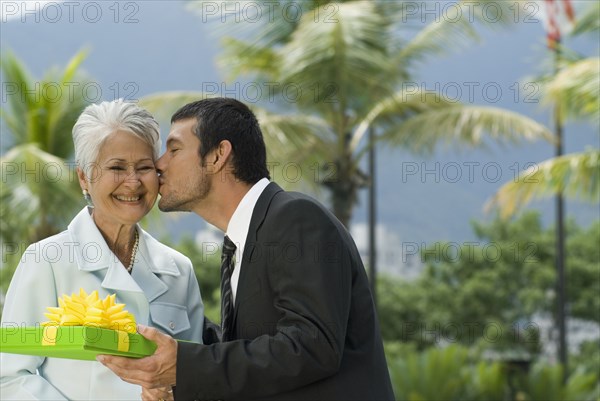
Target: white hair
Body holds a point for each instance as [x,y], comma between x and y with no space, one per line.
[98,121]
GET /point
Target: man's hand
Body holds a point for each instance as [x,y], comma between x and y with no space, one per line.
[158,370]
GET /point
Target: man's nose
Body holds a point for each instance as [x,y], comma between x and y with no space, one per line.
[159,165]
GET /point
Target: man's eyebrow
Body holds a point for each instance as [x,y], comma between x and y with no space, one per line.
[172,141]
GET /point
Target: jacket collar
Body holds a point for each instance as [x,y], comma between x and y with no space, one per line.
[259,214]
[93,254]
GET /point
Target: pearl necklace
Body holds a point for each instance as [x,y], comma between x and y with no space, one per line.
[135,247]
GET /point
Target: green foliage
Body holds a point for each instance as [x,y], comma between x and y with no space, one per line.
[434,374]
[446,374]
[43,112]
[588,357]
[207,267]
[576,175]
[589,21]
[583,271]
[39,194]
[456,373]
[486,293]
[488,381]
[544,383]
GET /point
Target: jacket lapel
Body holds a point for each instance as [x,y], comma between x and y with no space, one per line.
[151,262]
[258,217]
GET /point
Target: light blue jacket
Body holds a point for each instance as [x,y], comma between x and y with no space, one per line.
[161,292]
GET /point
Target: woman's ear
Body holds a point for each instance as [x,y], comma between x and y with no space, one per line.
[83,183]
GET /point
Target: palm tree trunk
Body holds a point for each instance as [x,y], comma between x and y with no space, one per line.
[343,195]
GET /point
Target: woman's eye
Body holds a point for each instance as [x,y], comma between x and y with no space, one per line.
[116,168]
[146,168]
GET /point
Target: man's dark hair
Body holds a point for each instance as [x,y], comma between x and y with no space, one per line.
[219,119]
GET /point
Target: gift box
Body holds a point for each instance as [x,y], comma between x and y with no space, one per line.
[73,342]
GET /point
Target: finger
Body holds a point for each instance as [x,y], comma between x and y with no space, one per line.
[130,370]
[152,371]
[160,393]
[149,332]
[152,334]
[165,393]
[147,395]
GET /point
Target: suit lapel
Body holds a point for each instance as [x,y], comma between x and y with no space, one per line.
[258,216]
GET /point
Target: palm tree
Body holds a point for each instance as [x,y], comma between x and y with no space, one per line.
[349,70]
[40,192]
[575,92]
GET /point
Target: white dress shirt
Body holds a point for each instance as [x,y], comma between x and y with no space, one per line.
[237,230]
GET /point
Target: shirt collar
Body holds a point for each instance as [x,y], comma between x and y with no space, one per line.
[237,229]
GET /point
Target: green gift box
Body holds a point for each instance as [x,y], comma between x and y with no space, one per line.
[73,342]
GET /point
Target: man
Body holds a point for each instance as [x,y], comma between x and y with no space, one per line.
[298,317]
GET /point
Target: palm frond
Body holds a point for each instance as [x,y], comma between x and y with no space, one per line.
[350,54]
[399,106]
[454,28]
[73,65]
[575,175]
[44,111]
[295,138]
[14,111]
[62,113]
[589,21]
[494,13]
[164,104]
[40,192]
[460,125]
[245,58]
[576,89]
[436,38]
[268,23]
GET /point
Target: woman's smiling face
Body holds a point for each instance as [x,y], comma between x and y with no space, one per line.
[123,183]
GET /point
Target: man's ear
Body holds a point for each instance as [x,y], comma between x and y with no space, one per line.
[221,156]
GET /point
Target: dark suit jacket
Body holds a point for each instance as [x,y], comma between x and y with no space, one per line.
[305,326]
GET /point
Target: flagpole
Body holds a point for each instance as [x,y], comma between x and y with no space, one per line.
[560,236]
[372,218]
[554,44]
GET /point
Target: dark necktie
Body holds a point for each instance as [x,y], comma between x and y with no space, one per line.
[227,264]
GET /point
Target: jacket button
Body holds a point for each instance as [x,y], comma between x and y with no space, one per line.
[172,325]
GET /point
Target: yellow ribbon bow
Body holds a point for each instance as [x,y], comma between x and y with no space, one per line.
[89,310]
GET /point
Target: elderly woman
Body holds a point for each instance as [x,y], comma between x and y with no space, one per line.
[104,249]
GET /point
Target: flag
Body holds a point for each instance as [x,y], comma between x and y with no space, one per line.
[553,34]
[569,11]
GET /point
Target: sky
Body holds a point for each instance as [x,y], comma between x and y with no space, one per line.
[137,48]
